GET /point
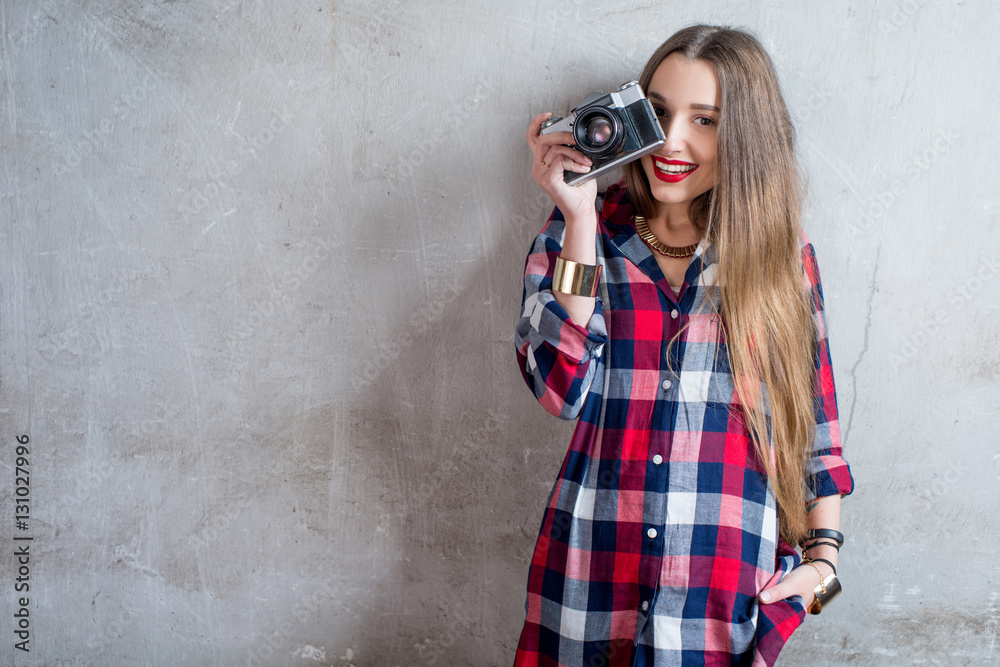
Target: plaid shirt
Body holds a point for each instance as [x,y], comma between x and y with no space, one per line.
[662,526]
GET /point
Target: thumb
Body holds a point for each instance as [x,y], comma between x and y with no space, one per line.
[773,594]
[796,582]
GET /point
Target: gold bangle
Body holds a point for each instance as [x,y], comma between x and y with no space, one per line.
[806,561]
[577,279]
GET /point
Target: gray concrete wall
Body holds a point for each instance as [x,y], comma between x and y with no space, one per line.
[260,270]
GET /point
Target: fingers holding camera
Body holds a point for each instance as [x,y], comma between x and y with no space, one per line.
[548,171]
[542,146]
[536,138]
[566,159]
[535,128]
[553,154]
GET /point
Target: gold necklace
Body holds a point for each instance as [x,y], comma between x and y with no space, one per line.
[659,246]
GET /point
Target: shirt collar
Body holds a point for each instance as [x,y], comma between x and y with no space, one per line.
[617,213]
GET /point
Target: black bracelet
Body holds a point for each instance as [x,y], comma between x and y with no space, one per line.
[834,535]
[823,560]
[807,547]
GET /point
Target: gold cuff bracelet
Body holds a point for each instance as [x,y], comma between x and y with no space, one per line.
[576,279]
[828,589]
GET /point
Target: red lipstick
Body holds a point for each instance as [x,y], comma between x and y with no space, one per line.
[671,178]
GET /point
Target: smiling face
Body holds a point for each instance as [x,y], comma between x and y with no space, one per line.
[686,97]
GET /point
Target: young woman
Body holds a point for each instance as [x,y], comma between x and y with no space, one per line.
[679,315]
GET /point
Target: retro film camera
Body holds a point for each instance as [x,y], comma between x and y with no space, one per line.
[612,129]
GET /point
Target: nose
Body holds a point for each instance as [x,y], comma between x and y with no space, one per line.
[674,130]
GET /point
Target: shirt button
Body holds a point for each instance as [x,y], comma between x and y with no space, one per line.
[657,459]
[645,605]
[666,384]
[673,313]
[651,532]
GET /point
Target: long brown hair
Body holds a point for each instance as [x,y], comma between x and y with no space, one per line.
[752,216]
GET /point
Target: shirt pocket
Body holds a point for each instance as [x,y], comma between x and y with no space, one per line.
[775,624]
[705,373]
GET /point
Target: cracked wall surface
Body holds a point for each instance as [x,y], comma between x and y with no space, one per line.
[261,267]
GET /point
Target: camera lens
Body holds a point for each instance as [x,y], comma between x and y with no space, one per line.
[598,132]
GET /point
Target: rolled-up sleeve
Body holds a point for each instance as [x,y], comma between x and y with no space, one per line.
[827,472]
[556,356]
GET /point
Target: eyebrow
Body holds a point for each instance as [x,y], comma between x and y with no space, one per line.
[706,107]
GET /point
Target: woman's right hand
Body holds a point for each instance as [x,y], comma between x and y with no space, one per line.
[550,157]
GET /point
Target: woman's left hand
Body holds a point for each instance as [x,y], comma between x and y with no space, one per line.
[802,580]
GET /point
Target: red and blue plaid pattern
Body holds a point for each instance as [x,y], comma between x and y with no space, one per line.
[662,527]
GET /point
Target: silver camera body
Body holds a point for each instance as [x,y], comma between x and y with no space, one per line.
[612,129]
